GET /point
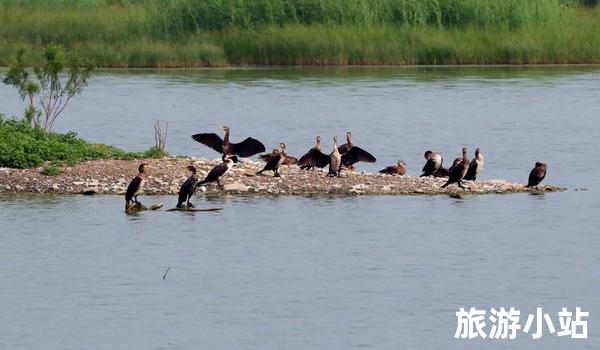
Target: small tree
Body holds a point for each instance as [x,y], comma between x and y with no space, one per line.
[160,136]
[48,93]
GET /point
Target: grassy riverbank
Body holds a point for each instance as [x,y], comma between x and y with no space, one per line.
[22,146]
[186,33]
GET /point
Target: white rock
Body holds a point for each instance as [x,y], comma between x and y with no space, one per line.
[236,186]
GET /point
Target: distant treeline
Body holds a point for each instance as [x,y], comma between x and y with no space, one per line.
[220,32]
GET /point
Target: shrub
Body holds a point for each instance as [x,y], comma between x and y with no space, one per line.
[24,146]
[51,170]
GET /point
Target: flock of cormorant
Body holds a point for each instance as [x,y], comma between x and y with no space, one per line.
[343,156]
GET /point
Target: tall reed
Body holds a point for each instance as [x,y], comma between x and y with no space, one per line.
[191,33]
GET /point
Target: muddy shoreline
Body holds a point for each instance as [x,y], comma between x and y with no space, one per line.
[166,175]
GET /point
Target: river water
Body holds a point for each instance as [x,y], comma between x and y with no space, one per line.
[315,273]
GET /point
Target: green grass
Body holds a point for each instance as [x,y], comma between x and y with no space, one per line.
[22,146]
[192,33]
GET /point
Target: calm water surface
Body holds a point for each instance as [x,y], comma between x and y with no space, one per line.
[325,273]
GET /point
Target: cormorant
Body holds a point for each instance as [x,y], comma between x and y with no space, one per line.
[537,174]
[274,163]
[476,166]
[246,148]
[135,187]
[454,164]
[458,172]
[433,163]
[289,160]
[314,157]
[348,145]
[218,171]
[188,188]
[353,154]
[335,160]
[267,156]
[398,169]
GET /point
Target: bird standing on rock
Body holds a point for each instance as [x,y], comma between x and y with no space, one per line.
[289,160]
[215,174]
[476,166]
[433,165]
[537,174]
[398,169]
[274,163]
[136,186]
[246,148]
[335,160]
[314,157]
[188,188]
[353,154]
[456,162]
[459,171]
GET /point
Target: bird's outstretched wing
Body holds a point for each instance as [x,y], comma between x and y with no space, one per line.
[357,154]
[290,160]
[306,158]
[267,156]
[211,140]
[314,158]
[248,147]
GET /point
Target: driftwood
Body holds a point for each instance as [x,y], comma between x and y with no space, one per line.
[135,207]
[194,209]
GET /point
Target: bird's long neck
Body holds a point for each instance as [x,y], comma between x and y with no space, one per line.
[349,139]
[318,145]
[226,137]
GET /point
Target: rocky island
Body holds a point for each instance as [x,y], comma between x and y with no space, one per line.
[167,174]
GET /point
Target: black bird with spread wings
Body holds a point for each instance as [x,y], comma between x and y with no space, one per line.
[314,158]
[289,160]
[246,148]
[353,154]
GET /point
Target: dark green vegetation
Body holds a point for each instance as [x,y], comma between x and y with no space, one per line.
[51,170]
[188,33]
[24,146]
